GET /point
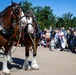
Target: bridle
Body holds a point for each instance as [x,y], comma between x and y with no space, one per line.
[14,11]
[26,29]
[36,33]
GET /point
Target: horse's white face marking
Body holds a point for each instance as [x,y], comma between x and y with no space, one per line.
[23,19]
[29,19]
[30,27]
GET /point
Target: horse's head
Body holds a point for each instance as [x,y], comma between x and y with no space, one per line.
[17,13]
[31,26]
[9,14]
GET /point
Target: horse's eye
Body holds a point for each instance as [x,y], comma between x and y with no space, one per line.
[17,11]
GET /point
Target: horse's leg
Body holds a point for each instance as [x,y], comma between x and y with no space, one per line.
[9,54]
[6,58]
[3,42]
[5,67]
[34,64]
[26,65]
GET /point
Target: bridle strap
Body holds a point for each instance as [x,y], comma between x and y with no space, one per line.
[30,24]
[22,17]
[5,29]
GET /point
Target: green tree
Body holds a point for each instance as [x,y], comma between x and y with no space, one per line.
[67,17]
[26,5]
[45,17]
[60,22]
[74,22]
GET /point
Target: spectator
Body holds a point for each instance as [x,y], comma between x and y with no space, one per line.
[47,38]
[68,38]
[62,40]
[72,37]
[64,31]
[56,39]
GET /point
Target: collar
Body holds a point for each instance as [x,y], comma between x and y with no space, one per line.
[5,30]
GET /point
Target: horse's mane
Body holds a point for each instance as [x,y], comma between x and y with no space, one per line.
[4,11]
[38,28]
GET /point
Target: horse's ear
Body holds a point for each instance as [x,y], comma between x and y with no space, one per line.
[20,3]
[12,3]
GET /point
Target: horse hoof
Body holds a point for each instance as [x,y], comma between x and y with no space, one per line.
[6,71]
[28,68]
[35,67]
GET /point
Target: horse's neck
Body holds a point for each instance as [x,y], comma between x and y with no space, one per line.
[6,20]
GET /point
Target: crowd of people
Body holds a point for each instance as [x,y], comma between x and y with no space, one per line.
[59,39]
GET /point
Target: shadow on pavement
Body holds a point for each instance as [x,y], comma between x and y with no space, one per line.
[17,64]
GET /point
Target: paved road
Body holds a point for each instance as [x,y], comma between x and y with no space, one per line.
[50,62]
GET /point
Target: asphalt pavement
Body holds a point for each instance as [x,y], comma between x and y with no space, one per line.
[50,62]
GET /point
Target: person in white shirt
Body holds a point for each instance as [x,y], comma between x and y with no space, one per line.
[62,40]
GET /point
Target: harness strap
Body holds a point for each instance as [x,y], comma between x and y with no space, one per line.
[1,27]
[5,30]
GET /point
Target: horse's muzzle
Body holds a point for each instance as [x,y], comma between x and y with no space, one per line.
[30,31]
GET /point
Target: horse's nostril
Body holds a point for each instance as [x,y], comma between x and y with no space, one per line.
[30,31]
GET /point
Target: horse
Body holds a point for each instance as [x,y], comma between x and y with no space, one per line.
[7,16]
[30,38]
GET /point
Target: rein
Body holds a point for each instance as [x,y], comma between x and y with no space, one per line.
[16,46]
[33,41]
[18,42]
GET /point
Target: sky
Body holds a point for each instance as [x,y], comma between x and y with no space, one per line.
[59,7]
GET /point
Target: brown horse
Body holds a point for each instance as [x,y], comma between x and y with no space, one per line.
[7,16]
[30,38]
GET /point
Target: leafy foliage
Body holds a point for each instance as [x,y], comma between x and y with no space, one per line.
[46,18]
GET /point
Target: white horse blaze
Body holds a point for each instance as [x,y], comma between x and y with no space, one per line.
[30,27]
[23,19]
